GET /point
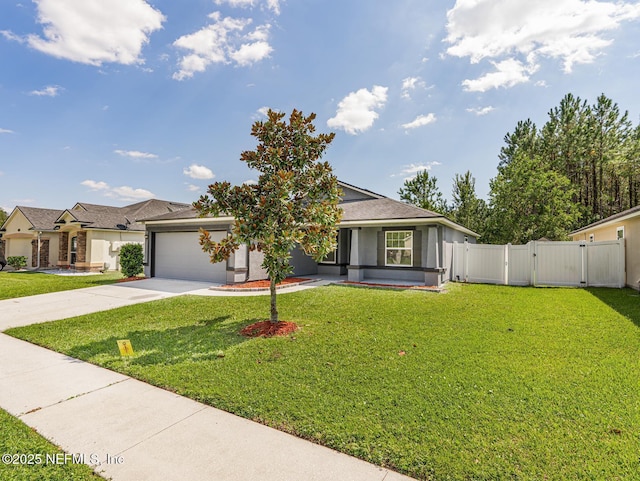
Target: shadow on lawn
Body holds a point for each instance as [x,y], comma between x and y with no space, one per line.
[199,342]
[624,301]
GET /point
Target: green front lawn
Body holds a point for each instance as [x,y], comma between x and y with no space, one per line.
[27,456]
[482,383]
[21,284]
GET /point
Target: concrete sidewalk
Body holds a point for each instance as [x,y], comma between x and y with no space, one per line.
[129,430]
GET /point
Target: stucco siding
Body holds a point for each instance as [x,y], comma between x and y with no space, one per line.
[19,247]
[632,244]
[103,247]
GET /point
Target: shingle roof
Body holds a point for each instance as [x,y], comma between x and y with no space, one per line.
[383,209]
[376,207]
[189,213]
[41,219]
[94,216]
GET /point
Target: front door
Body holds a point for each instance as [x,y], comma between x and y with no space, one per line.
[73,249]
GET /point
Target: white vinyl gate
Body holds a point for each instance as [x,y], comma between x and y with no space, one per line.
[578,264]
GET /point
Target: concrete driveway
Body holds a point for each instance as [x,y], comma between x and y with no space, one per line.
[23,311]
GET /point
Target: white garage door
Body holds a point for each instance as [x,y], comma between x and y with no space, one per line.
[178,255]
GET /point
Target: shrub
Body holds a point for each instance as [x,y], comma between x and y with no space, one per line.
[131,259]
[17,262]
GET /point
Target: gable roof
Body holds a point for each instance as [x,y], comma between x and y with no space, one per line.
[40,219]
[624,215]
[93,216]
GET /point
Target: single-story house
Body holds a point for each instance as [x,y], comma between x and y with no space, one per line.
[378,238]
[86,237]
[623,225]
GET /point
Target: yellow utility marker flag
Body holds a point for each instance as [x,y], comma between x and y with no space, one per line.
[126,349]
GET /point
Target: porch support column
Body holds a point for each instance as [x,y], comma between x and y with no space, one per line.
[433,248]
[355,273]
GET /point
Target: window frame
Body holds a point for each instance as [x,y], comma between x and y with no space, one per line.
[334,254]
[387,248]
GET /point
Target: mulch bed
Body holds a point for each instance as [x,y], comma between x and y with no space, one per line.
[129,279]
[265,283]
[269,329]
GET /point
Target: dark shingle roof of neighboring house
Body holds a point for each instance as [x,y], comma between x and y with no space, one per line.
[189,213]
[619,215]
[41,219]
[94,216]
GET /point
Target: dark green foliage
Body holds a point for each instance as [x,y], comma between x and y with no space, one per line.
[528,202]
[131,259]
[17,262]
[423,191]
[594,146]
[467,209]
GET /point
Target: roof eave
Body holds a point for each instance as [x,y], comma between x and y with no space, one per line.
[407,221]
[599,224]
[196,220]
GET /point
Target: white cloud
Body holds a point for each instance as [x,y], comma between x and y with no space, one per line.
[128,193]
[250,182]
[273,5]
[94,31]
[196,171]
[250,53]
[522,31]
[222,42]
[410,84]
[479,111]
[192,188]
[356,112]
[11,36]
[26,201]
[6,131]
[135,154]
[50,91]
[507,73]
[420,121]
[411,170]
[125,192]
[93,185]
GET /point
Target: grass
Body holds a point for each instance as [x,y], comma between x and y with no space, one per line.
[21,284]
[482,383]
[19,439]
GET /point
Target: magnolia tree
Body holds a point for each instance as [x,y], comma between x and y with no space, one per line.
[295,200]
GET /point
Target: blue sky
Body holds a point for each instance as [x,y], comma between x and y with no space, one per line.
[116,102]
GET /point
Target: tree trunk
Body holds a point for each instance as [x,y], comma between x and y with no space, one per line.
[274,309]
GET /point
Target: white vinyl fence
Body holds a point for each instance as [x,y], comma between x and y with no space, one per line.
[538,263]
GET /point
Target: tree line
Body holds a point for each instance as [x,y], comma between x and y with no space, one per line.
[581,166]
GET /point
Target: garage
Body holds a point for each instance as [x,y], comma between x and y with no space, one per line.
[178,255]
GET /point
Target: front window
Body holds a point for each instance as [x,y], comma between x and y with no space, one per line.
[330,258]
[398,248]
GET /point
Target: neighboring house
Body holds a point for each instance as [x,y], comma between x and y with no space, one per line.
[624,225]
[86,237]
[378,238]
